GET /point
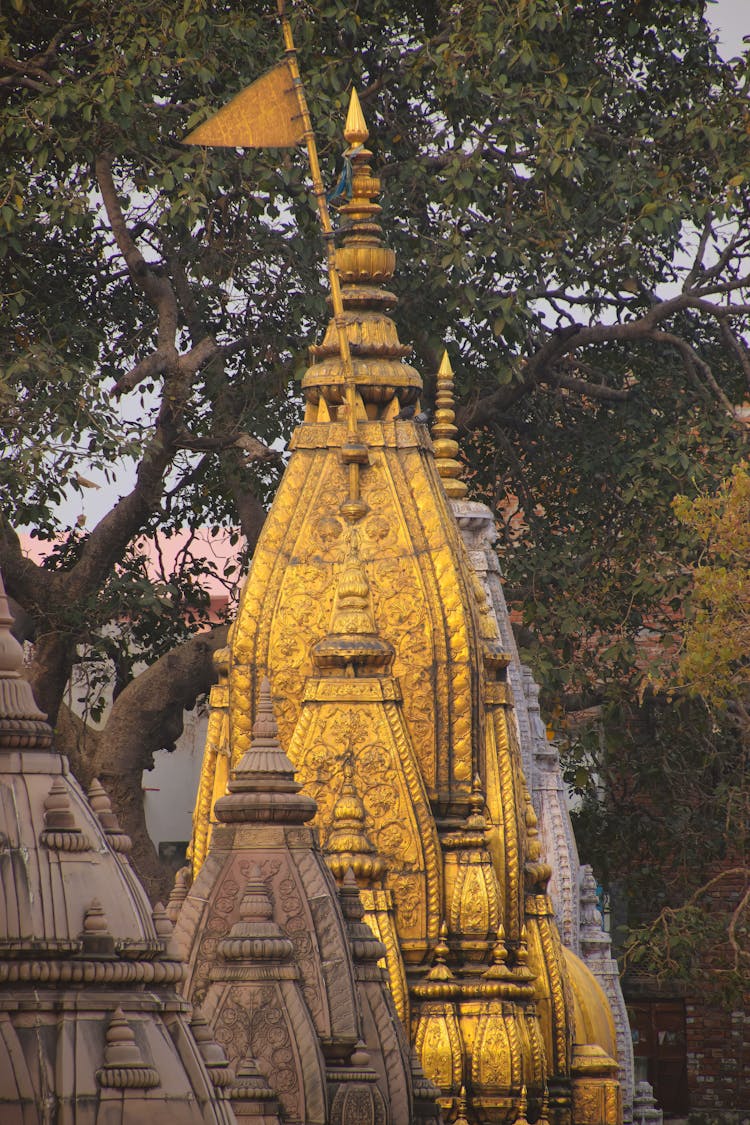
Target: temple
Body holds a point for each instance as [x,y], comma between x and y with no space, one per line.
[93,1028]
[400,703]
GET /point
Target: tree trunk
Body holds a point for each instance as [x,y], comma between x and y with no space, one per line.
[50,671]
[148,716]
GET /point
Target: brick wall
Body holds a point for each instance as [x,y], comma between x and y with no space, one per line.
[716,1038]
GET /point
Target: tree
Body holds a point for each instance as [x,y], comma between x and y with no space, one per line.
[567,188]
[715,663]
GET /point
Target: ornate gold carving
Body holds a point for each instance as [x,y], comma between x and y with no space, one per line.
[596,1092]
[379,916]
[496,1065]
[474,910]
[504,811]
[343,691]
[384,773]
[440,1047]
[551,987]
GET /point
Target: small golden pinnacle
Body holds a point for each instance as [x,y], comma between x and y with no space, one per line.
[355,130]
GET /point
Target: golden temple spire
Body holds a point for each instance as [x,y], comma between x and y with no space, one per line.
[383,383]
[355,130]
[443,431]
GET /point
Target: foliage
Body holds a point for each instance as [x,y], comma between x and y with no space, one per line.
[715,663]
[566,185]
[704,942]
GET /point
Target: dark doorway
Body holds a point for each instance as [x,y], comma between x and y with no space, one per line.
[659,1042]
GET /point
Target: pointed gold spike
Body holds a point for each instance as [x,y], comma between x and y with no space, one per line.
[443,433]
[355,130]
[445,371]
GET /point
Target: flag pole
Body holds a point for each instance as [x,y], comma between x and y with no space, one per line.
[353,451]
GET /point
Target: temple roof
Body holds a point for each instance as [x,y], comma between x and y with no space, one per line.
[81,946]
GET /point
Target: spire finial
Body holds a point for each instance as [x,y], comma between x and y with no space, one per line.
[261,786]
[355,130]
[499,970]
[443,431]
[463,1108]
[16,697]
[264,727]
[383,382]
[523,1108]
[440,970]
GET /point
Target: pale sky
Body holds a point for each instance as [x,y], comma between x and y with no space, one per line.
[731,18]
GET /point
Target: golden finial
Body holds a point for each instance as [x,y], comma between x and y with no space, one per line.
[355,130]
[523,1108]
[499,970]
[522,970]
[381,383]
[476,820]
[463,1106]
[440,970]
[443,431]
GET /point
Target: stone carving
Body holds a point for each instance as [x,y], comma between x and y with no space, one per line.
[645,1109]
[80,949]
[596,952]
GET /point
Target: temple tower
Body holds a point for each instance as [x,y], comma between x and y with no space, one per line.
[392,695]
[282,963]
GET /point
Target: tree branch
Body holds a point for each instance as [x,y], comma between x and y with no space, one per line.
[690,356]
[598,391]
[156,287]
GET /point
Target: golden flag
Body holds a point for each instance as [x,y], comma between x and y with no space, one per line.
[265,115]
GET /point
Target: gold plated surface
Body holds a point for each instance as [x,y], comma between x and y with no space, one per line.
[444,430]
[391,695]
[266,114]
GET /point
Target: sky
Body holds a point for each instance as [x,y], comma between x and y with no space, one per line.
[729,18]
